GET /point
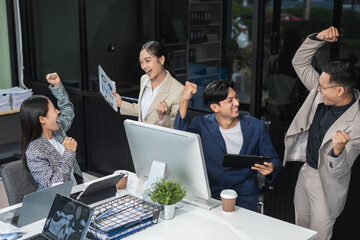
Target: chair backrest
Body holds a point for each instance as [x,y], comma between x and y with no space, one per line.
[18,182]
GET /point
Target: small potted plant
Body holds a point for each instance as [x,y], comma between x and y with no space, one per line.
[167,193]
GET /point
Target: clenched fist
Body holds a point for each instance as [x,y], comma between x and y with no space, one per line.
[330,34]
[339,141]
[161,110]
[53,78]
[70,144]
[189,91]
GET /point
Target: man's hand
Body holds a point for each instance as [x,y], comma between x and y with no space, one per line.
[70,144]
[118,99]
[330,35]
[265,169]
[339,141]
[53,78]
[189,90]
[161,110]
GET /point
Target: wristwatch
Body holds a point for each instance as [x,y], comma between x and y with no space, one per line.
[313,37]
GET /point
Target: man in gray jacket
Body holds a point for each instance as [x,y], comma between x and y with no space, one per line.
[325,134]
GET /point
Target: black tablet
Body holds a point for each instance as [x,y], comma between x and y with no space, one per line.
[243,161]
[98,186]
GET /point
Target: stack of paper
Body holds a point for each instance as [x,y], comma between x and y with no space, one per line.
[4,101]
[15,97]
[18,95]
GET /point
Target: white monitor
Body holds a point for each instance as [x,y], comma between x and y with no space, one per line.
[181,151]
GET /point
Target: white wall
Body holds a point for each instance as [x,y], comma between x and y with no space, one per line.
[5,70]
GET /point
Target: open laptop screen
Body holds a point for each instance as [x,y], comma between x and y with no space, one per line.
[68,219]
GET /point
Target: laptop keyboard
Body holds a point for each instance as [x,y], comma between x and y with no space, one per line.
[7,228]
[37,237]
[203,203]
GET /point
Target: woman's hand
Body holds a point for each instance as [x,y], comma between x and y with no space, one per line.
[161,110]
[70,144]
[118,98]
[53,79]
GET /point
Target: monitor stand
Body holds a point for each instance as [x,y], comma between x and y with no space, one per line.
[157,171]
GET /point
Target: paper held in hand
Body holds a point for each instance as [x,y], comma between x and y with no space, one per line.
[107,86]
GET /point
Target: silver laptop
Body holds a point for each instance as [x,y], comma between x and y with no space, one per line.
[67,220]
[35,206]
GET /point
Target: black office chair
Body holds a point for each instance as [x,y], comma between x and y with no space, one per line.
[263,187]
[17,181]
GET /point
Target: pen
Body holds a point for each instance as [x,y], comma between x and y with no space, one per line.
[103,214]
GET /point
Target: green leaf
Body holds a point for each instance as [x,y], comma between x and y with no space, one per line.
[167,192]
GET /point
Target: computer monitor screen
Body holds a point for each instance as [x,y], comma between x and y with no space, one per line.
[181,151]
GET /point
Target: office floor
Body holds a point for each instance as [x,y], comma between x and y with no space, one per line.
[4,200]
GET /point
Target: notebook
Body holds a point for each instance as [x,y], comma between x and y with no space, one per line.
[35,205]
[68,219]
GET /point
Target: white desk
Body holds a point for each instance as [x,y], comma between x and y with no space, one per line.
[191,222]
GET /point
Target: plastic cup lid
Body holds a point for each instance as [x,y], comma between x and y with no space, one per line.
[228,194]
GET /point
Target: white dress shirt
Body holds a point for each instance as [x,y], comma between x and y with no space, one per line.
[148,97]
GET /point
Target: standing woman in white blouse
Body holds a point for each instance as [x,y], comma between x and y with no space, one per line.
[160,92]
[48,154]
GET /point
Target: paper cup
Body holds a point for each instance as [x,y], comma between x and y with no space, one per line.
[228,199]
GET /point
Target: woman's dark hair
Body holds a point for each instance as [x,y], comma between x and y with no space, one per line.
[30,111]
[216,91]
[158,49]
[342,73]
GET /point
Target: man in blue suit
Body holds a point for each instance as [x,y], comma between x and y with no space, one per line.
[225,131]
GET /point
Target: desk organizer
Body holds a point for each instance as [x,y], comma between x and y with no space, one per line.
[121,217]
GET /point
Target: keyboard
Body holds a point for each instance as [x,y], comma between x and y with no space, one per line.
[37,237]
[7,228]
[200,202]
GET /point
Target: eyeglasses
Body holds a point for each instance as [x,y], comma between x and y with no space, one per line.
[323,88]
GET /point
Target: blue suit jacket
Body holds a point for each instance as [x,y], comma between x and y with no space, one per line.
[256,142]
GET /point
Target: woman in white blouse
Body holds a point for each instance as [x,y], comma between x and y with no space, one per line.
[160,92]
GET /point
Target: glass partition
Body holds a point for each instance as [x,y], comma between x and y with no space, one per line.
[287,25]
[56,40]
[113,32]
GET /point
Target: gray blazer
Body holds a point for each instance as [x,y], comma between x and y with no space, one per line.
[45,163]
[171,91]
[334,172]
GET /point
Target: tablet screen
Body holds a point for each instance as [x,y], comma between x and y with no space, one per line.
[243,161]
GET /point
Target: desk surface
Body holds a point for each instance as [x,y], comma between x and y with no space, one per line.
[9,112]
[191,222]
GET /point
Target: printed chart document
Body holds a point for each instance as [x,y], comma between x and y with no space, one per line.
[106,87]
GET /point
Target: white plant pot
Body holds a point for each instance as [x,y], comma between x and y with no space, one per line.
[168,212]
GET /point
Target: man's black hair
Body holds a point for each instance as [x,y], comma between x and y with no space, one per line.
[216,91]
[342,73]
